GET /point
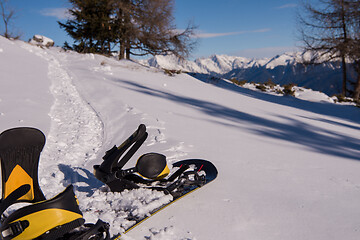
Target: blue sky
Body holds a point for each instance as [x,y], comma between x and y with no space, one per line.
[247,28]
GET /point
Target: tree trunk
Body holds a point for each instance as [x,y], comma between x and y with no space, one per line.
[122,50]
[344,30]
[128,53]
[128,50]
[344,81]
[357,89]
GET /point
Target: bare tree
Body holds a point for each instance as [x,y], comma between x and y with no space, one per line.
[6,14]
[147,27]
[325,30]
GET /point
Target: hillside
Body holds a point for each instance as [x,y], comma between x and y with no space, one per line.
[288,166]
[281,69]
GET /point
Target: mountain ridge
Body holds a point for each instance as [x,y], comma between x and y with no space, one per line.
[281,69]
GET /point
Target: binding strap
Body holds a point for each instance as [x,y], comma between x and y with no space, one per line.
[138,142]
[184,180]
[108,171]
[13,197]
[111,159]
[61,230]
[97,231]
[177,174]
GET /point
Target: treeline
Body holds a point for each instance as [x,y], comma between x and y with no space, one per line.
[131,27]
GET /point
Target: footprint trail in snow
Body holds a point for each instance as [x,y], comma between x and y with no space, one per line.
[75,134]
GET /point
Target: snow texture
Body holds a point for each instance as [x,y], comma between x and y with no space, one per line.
[40,40]
[288,166]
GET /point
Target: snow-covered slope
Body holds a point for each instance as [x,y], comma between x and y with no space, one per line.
[288,167]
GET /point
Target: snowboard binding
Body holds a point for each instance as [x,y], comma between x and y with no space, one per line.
[63,221]
[149,168]
[151,172]
[20,150]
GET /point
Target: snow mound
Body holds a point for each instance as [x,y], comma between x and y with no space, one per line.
[43,41]
[313,96]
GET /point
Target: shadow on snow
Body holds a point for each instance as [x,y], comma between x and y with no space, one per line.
[349,113]
[316,138]
[72,176]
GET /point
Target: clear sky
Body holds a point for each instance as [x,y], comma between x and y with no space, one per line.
[248,28]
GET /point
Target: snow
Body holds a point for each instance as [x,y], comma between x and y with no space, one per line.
[42,41]
[280,60]
[288,166]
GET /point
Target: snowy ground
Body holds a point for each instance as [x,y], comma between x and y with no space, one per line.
[288,167]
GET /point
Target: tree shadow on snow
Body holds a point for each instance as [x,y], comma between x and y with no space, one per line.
[349,113]
[316,138]
[76,175]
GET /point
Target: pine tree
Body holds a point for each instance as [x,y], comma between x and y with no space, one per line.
[138,27]
[91,26]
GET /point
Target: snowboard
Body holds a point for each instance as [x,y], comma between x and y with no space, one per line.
[205,170]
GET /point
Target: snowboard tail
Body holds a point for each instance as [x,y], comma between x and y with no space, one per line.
[196,166]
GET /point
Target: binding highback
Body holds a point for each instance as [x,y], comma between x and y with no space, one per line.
[20,150]
[151,165]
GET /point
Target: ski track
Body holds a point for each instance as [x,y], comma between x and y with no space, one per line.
[75,138]
[75,134]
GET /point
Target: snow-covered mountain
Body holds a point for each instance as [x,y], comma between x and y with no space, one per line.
[216,64]
[288,166]
[281,69]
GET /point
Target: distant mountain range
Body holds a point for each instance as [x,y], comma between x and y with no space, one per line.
[281,69]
